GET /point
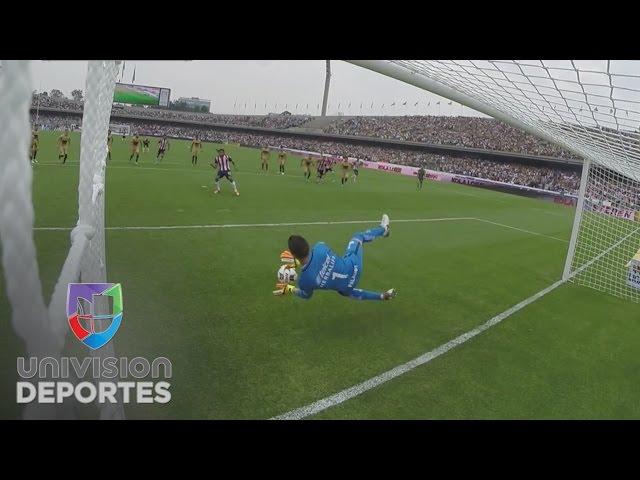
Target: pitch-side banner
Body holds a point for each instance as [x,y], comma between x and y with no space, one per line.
[612,211]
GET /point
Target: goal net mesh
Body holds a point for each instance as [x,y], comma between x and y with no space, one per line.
[591,109]
[44,328]
[608,235]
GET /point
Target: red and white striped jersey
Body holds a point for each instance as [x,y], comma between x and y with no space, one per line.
[223,162]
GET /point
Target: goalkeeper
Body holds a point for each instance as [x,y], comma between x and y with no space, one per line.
[322,269]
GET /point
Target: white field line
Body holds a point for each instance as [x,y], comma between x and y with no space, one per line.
[298,224]
[349,393]
[595,259]
[158,167]
[356,390]
[251,225]
[397,371]
[522,230]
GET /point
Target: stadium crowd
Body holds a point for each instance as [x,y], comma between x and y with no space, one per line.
[61,103]
[554,179]
[608,192]
[280,122]
[56,122]
[274,121]
[473,132]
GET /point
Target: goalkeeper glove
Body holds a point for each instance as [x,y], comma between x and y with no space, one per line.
[284,289]
[286,257]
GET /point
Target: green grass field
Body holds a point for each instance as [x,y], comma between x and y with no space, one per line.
[202,296]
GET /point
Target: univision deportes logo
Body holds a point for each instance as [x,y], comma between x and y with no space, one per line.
[94,313]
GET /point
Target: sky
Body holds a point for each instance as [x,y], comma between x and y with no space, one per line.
[244,86]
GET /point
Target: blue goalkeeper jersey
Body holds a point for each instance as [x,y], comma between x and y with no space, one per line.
[327,271]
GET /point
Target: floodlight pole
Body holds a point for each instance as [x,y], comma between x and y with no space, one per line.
[327,81]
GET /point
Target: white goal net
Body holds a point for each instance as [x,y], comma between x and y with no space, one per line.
[588,108]
[44,327]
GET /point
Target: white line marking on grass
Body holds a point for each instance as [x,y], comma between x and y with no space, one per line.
[349,393]
[594,260]
[299,224]
[251,225]
[144,167]
[522,230]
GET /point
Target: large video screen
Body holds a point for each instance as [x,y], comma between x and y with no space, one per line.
[141,95]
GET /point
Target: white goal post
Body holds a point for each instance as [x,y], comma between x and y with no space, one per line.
[44,328]
[589,108]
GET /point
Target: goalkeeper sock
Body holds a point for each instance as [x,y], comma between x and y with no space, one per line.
[358,294]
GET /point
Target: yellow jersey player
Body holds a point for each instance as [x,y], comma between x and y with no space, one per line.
[109,144]
[307,163]
[64,141]
[135,148]
[35,144]
[344,166]
[196,146]
[264,159]
[282,159]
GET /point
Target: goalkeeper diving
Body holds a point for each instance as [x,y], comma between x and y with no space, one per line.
[322,269]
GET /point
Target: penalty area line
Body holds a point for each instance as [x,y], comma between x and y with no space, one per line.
[251,225]
[349,393]
[299,224]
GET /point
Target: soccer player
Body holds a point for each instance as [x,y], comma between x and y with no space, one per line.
[135,148]
[196,146]
[145,145]
[282,159]
[307,163]
[223,163]
[328,165]
[355,167]
[421,174]
[321,168]
[163,146]
[322,269]
[35,144]
[345,170]
[64,141]
[264,159]
[109,144]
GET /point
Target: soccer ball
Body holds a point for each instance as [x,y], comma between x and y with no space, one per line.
[287,274]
